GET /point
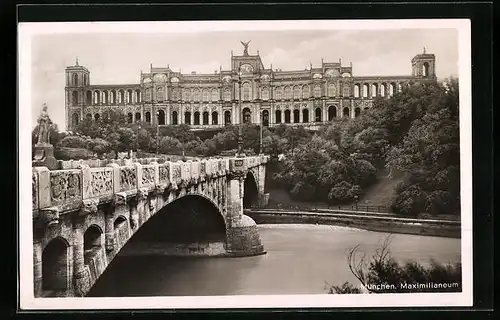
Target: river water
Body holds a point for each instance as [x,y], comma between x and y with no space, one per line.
[300,259]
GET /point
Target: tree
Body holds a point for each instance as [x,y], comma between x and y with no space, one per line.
[382,268]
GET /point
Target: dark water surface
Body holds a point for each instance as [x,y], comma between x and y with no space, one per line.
[299,260]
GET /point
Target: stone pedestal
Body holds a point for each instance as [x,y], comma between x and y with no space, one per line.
[44,156]
[243,238]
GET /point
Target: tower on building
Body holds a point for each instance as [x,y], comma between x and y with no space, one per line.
[77,79]
[424,65]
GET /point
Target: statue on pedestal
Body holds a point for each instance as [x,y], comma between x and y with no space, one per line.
[245,45]
[44,123]
[44,151]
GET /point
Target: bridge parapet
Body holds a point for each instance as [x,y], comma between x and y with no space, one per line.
[64,190]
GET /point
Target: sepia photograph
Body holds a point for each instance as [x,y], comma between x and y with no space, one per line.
[245,164]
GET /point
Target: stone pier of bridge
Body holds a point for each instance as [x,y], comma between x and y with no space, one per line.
[84,213]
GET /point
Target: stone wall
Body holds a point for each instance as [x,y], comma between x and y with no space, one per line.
[115,200]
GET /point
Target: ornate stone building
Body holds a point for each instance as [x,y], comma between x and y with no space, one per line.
[300,97]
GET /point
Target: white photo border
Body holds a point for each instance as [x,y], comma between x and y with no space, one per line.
[26,293]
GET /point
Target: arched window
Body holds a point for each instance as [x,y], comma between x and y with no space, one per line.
[287,116]
[374,90]
[88,97]
[425,69]
[265,118]
[75,118]
[161,117]
[305,92]
[317,91]
[121,96]
[278,93]
[297,92]
[365,90]
[215,118]
[317,115]
[137,116]
[246,91]
[331,90]
[148,117]
[346,91]
[205,95]
[96,97]
[138,95]
[227,117]
[160,94]
[92,243]
[356,90]
[113,97]
[175,94]
[296,116]
[264,94]
[305,115]
[196,118]
[227,94]
[382,90]
[55,266]
[196,95]
[345,112]
[288,93]
[215,95]
[174,118]
[148,94]
[105,99]
[85,79]
[392,88]
[74,98]
[205,117]
[129,117]
[332,113]
[400,87]
[247,116]
[357,112]
[187,117]
[97,117]
[278,116]
[129,96]
[75,79]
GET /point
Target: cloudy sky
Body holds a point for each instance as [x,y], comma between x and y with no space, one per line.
[119,58]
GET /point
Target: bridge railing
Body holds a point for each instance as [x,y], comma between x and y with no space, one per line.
[60,191]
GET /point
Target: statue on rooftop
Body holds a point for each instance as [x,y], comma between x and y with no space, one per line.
[245,45]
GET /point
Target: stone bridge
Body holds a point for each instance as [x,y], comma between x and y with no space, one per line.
[85,214]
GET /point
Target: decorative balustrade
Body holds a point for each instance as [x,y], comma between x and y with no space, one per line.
[66,190]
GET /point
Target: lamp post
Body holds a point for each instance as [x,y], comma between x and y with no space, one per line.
[157,132]
[240,134]
[261,128]
[356,199]
[137,138]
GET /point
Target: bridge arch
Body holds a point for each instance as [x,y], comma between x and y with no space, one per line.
[250,190]
[190,218]
[56,267]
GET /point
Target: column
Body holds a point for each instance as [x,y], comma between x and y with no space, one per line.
[167,115]
[109,230]
[300,116]
[80,280]
[37,268]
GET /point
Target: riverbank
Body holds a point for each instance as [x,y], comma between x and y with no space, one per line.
[366,221]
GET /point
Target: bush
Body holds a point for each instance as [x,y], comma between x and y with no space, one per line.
[383,269]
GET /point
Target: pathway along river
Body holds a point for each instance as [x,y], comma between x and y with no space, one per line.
[300,259]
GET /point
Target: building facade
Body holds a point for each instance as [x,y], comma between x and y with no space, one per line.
[248,92]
